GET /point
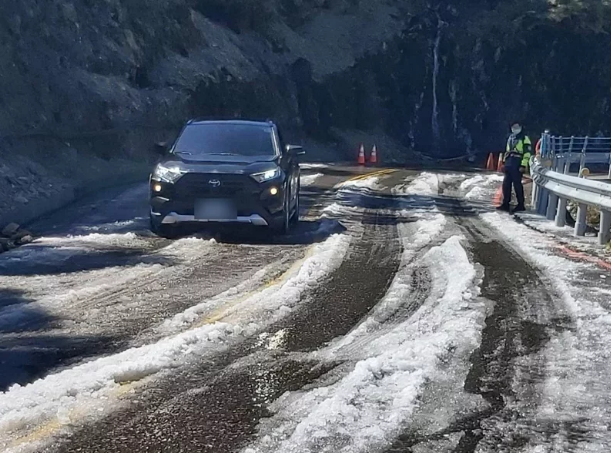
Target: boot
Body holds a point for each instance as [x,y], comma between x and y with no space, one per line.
[519,208]
[503,207]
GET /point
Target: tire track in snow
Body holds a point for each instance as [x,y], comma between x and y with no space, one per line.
[507,367]
[340,302]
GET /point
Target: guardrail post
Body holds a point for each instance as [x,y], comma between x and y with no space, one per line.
[568,159]
[580,223]
[561,213]
[605,226]
[551,206]
[582,162]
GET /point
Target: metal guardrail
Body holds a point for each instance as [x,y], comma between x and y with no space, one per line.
[555,186]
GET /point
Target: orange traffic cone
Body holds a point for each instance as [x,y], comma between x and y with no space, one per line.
[374,155]
[361,160]
[498,196]
[500,165]
[490,164]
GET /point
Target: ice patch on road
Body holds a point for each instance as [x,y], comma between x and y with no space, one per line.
[88,391]
[308,180]
[366,409]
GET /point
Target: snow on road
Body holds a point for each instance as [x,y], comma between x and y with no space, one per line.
[429,184]
[367,182]
[575,393]
[481,187]
[365,409]
[85,392]
[43,287]
[308,180]
[415,236]
[271,303]
[309,166]
[424,184]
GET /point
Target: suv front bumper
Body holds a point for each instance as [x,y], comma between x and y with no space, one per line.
[173,218]
[255,204]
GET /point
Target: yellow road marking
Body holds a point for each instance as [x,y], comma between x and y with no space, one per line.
[372,174]
[221,312]
[42,431]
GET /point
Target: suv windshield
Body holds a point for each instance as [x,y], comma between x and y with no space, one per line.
[228,139]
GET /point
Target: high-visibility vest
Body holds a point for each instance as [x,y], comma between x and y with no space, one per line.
[521,148]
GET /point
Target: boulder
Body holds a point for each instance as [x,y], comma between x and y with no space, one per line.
[24,240]
[10,229]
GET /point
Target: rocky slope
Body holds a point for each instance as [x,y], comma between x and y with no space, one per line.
[88,82]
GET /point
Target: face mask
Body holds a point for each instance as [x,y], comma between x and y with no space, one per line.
[516,129]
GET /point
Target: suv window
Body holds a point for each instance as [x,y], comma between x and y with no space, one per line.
[228,139]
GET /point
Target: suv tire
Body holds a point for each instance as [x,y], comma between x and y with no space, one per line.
[284,225]
[162,230]
[295,217]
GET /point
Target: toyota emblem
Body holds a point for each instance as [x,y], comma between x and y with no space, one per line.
[215,183]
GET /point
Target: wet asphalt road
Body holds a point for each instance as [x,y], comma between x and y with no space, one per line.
[216,405]
[101,313]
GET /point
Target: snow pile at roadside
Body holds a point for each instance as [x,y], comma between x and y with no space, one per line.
[85,392]
[367,408]
[308,180]
[576,388]
[481,187]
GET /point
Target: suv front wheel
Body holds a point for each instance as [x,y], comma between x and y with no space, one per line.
[161,229]
[295,217]
[283,225]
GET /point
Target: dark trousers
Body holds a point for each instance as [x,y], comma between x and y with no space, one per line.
[513,177]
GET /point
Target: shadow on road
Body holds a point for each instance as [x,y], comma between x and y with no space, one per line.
[26,353]
[304,233]
[368,199]
[40,259]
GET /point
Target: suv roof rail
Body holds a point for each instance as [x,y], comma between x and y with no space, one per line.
[228,118]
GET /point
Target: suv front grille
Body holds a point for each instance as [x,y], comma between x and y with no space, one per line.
[195,185]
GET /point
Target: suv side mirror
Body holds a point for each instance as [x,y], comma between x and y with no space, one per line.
[295,150]
[161,148]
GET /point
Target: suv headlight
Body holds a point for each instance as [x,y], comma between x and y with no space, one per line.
[266,175]
[167,174]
